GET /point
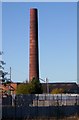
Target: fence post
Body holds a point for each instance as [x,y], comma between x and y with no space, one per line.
[75,100]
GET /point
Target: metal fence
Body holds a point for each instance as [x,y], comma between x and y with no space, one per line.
[40,106]
[42,100]
[47,100]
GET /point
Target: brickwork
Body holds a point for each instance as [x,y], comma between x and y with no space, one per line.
[34,60]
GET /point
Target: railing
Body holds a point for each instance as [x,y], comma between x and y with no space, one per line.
[42,100]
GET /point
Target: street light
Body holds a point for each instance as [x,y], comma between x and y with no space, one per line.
[47,85]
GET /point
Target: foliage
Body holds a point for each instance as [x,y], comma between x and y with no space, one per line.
[57,91]
[22,89]
[34,87]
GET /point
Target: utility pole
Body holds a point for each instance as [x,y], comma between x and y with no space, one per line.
[10,74]
[10,81]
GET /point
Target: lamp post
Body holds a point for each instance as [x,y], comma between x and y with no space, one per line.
[47,85]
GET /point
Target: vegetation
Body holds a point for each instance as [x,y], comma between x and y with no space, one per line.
[22,89]
[57,91]
[34,87]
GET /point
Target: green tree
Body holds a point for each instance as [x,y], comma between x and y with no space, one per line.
[35,87]
[23,89]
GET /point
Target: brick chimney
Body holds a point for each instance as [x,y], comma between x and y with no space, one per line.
[33,57]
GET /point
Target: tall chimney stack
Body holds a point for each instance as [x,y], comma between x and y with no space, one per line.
[34,57]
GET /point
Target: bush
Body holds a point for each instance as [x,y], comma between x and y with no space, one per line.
[57,91]
[34,87]
[22,89]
